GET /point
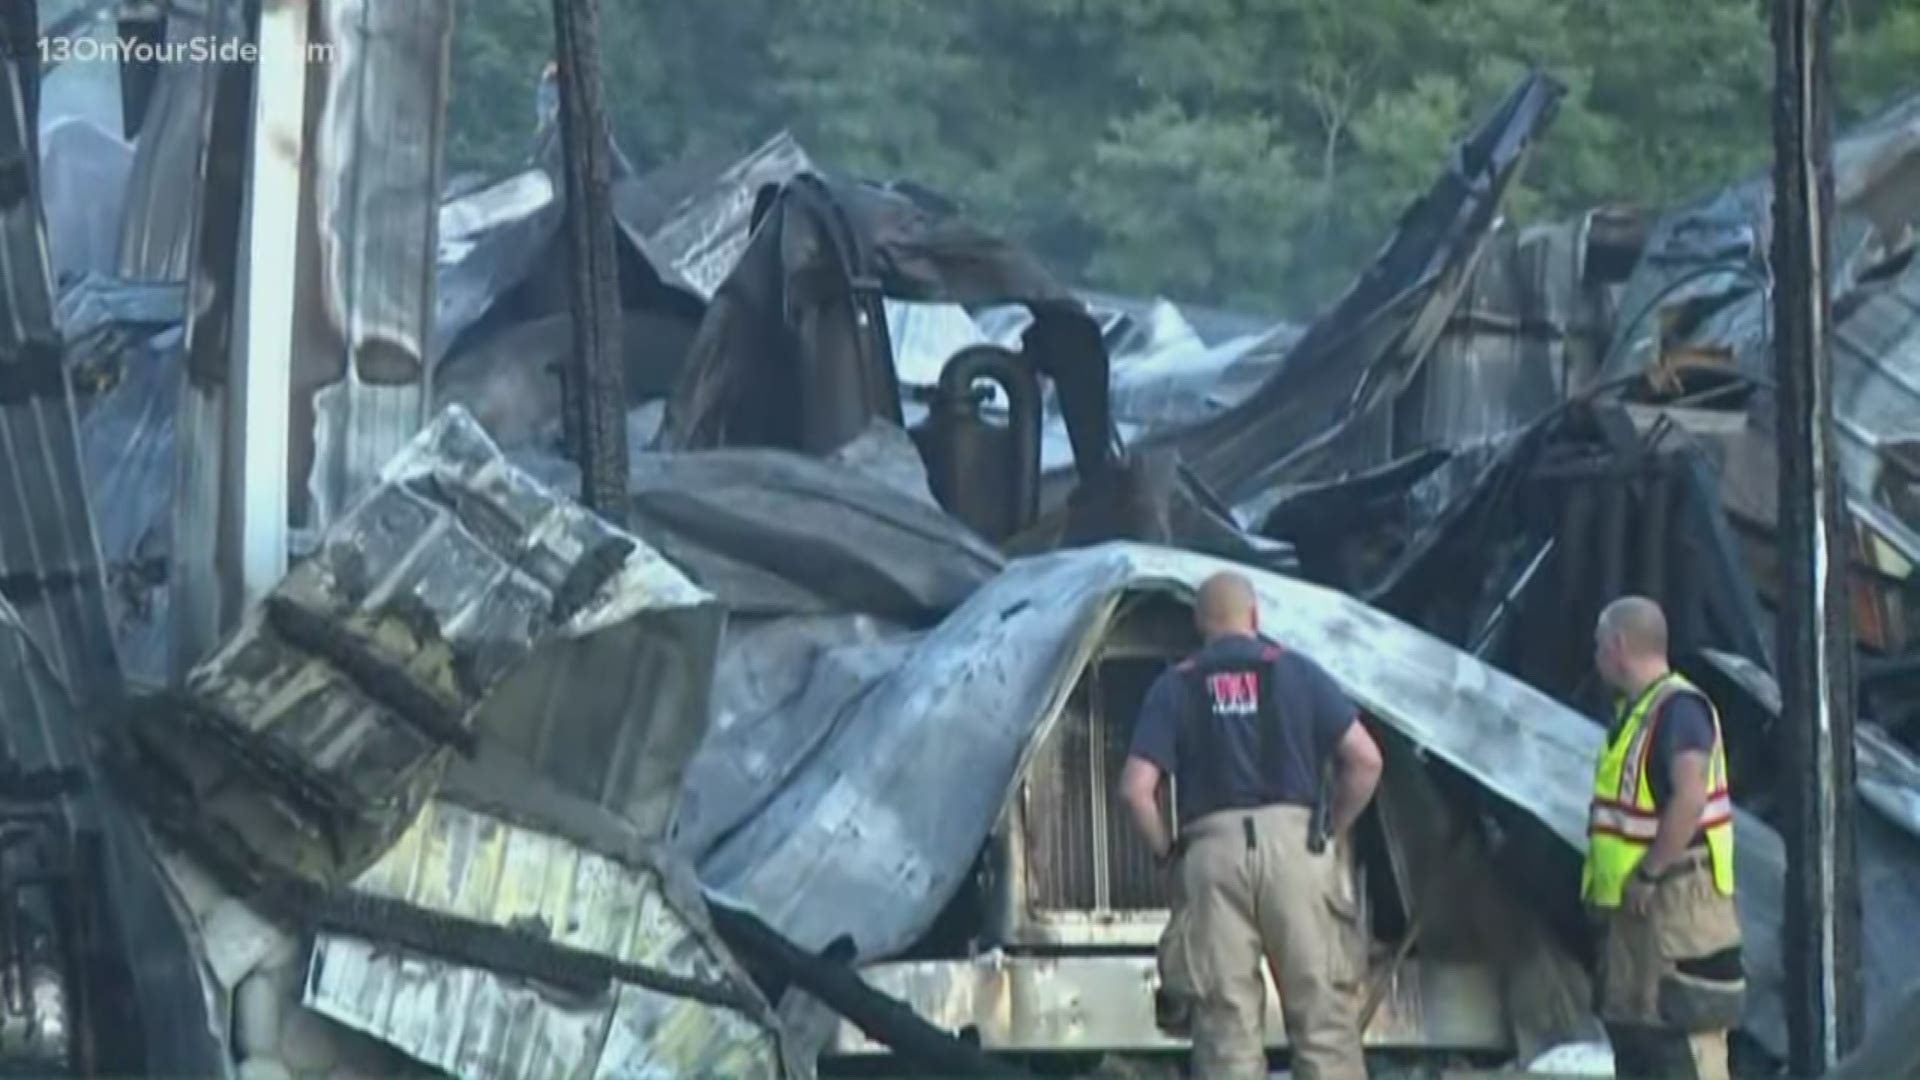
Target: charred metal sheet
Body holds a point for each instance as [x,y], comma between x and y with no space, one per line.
[1888,776]
[925,1048]
[1892,1053]
[704,238]
[477,1025]
[1876,167]
[779,692]
[773,532]
[1528,330]
[84,169]
[1884,546]
[506,377]
[181,1032]
[1705,270]
[484,1025]
[502,305]
[926,336]
[459,598]
[1105,1003]
[375,178]
[1564,481]
[489,240]
[156,240]
[1456,906]
[970,698]
[1365,349]
[807,368]
[1176,386]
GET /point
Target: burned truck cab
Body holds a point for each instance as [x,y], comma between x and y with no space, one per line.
[1073,872]
[1069,904]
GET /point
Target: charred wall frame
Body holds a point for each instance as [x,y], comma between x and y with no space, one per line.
[593,386]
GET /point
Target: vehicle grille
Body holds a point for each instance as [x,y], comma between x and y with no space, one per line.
[1084,855]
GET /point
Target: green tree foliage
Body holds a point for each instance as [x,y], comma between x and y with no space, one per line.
[1244,152]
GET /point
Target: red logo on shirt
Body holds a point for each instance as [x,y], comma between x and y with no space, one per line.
[1234,693]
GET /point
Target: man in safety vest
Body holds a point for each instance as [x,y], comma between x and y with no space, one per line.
[1659,869]
[1245,729]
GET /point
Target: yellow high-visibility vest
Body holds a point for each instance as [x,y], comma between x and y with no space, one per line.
[1622,820]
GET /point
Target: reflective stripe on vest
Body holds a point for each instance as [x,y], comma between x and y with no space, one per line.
[1622,820]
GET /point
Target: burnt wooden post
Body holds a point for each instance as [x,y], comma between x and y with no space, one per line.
[593,379]
[1822,928]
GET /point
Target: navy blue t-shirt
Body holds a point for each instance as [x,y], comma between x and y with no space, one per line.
[1683,724]
[1313,710]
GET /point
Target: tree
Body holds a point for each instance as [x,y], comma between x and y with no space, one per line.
[1249,152]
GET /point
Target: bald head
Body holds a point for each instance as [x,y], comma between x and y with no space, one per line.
[1226,606]
[1631,643]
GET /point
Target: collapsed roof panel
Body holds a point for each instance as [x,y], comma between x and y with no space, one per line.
[794,353]
[314,729]
[775,532]
[1701,285]
[781,693]
[1526,332]
[849,845]
[489,240]
[985,681]
[704,237]
[1363,350]
[468,668]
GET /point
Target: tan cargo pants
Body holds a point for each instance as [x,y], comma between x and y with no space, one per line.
[1663,1016]
[1247,890]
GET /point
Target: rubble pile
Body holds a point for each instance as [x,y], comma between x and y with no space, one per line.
[806,756]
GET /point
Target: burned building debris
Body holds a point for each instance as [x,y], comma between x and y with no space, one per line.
[802,758]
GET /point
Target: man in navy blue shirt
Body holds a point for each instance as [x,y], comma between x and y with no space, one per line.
[1244,727]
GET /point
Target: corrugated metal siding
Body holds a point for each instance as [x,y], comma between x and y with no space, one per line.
[50,567]
[1876,376]
[377,162]
[1507,354]
[483,1026]
[703,238]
